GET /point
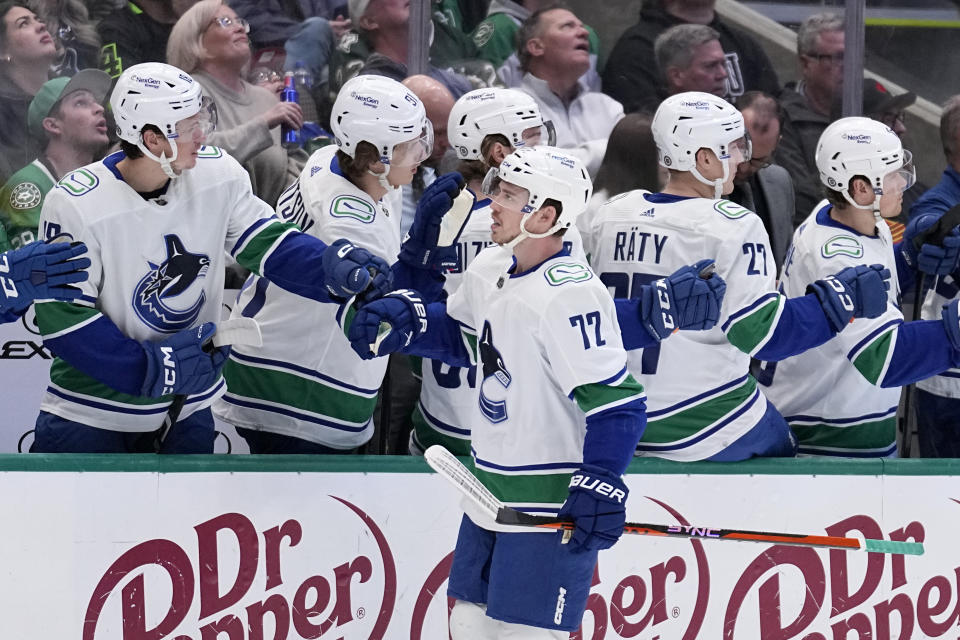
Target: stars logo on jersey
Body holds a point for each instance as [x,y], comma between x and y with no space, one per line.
[166,281]
[25,195]
[493,404]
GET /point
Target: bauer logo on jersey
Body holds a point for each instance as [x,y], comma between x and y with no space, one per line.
[566,272]
[496,379]
[842,246]
[158,291]
[351,207]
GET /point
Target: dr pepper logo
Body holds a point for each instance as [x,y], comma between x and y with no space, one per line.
[246,581]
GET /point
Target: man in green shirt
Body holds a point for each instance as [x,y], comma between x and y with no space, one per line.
[67,113]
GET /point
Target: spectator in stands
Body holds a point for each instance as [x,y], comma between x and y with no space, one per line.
[938,398]
[554,51]
[26,52]
[305,29]
[68,114]
[630,163]
[807,105]
[77,38]
[210,43]
[759,185]
[496,40]
[138,33]
[631,77]
[378,45]
[690,58]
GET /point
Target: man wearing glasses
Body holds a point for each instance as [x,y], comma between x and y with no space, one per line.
[807,103]
[760,185]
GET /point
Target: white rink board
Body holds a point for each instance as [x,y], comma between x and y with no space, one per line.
[286,538]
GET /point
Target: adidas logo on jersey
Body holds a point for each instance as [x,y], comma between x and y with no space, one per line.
[648,213]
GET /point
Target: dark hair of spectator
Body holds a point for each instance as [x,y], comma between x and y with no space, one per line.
[356,167]
[4,10]
[489,141]
[630,161]
[530,29]
[131,150]
[950,128]
[472,170]
[763,104]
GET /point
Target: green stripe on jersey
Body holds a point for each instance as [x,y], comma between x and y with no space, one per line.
[596,397]
[57,317]
[548,488]
[747,332]
[65,376]
[874,435]
[261,242]
[872,360]
[470,342]
[295,391]
[428,436]
[695,418]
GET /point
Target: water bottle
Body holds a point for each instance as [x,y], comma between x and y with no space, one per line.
[289,137]
[303,81]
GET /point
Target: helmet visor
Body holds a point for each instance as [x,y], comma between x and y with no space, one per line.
[505,194]
[201,124]
[903,178]
[413,152]
[741,149]
[544,134]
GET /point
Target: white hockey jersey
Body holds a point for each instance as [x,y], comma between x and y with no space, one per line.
[701,397]
[830,395]
[448,395]
[945,289]
[305,381]
[157,267]
[548,354]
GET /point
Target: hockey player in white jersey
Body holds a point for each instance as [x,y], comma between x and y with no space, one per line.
[558,414]
[158,218]
[841,398]
[305,390]
[703,403]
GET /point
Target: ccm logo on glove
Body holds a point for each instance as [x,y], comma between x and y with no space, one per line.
[598,486]
[840,288]
[169,370]
[664,297]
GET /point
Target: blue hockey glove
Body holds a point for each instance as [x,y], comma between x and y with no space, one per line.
[936,256]
[597,505]
[387,324]
[40,271]
[431,241]
[689,298]
[855,292]
[184,363]
[349,270]
[951,323]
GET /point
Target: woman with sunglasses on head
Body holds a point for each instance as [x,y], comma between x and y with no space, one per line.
[26,52]
[305,390]
[210,43]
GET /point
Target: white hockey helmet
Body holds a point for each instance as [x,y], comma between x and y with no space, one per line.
[508,112]
[687,122]
[158,94]
[384,113]
[546,173]
[862,147]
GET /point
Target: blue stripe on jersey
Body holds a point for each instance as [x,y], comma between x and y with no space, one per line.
[742,312]
[232,399]
[60,393]
[873,334]
[819,420]
[697,398]
[258,300]
[889,452]
[526,467]
[303,371]
[608,381]
[951,374]
[704,435]
[249,231]
[440,425]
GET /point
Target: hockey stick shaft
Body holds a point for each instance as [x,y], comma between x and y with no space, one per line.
[457,474]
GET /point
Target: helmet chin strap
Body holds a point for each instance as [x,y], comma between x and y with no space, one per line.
[165,162]
[718,183]
[382,179]
[528,234]
[874,206]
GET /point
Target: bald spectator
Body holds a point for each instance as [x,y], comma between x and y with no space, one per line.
[759,185]
[554,51]
[807,104]
[377,44]
[690,58]
[631,75]
[496,40]
[138,33]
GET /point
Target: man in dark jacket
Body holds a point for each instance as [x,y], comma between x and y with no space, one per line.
[631,75]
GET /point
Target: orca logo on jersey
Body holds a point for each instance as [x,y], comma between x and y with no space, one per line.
[493,408]
[167,280]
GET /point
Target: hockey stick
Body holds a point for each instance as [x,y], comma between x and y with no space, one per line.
[233,331]
[444,463]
